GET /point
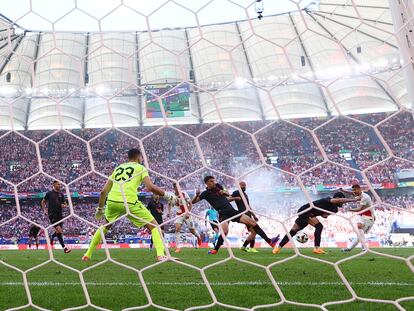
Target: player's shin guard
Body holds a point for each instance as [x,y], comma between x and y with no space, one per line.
[357,240]
[286,238]
[318,234]
[60,238]
[252,242]
[94,242]
[219,243]
[262,234]
[177,239]
[159,246]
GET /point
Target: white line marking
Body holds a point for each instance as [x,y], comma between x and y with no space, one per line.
[252,283]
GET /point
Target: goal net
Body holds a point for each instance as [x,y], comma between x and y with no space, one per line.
[295,98]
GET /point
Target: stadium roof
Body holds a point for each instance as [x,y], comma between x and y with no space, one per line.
[337,57]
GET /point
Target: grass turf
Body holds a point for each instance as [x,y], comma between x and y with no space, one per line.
[238,282]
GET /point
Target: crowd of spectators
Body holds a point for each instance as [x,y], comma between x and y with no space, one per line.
[223,147]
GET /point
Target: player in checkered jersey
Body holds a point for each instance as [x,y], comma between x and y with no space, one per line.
[178,206]
[365,219]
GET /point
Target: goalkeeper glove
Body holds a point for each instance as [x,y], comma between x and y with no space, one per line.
[169,196]
[99,213]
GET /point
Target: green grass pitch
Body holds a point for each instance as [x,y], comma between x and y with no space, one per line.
[234,282]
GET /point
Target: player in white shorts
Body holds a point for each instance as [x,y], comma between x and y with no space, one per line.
[178,207]
[365,220]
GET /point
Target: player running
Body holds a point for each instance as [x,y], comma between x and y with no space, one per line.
[309,217]
[365,220]
[212,217]
[34,235]
[128,177]
[241,207]
[178,206]
[52,204]
[217,197]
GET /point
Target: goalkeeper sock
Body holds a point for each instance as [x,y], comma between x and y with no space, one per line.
[252,242]
[262,234]
[60,238]
[159,246]
[94,242]
[286,238]
[219,243]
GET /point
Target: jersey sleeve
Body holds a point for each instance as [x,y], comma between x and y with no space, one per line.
[202,195]
[46,198]
[235,193]
[144,173]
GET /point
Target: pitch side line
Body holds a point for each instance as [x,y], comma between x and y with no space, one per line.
[253,283]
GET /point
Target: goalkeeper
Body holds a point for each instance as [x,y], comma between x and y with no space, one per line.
[128,177]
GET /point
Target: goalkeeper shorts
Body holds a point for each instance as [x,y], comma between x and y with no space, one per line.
[141,215]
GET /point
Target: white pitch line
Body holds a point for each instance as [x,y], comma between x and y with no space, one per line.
[252,283]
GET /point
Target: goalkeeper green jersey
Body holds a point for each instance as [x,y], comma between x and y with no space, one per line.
[128,177]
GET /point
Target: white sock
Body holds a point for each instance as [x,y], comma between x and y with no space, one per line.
[363,242]
[177,239]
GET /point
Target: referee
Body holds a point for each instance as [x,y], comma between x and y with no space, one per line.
[52,204]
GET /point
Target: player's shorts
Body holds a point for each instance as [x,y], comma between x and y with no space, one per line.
[368,222]
[227,213]
[302,221]
[249,214]
[185,219]
[34,231]
[115,210]
[56,220]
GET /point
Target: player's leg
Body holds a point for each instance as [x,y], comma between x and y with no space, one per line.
[112,212]
[358,239]
[193,230]
[251,223]
[157,239]
[220,240]
[252,235]
[313,221]
[37,241]
[30,241]
[143,217]
[178,235]
[252,242]
[216,233]
[299,224]
[59,235]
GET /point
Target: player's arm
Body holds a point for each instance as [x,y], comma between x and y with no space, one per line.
[344,200]
[157,190]
[189,204]
[43,204]
[360,207]
[345,191]
[224,192]
[235,196]
[196,198]
[104,193]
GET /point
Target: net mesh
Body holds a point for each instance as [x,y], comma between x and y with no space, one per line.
[280,102]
